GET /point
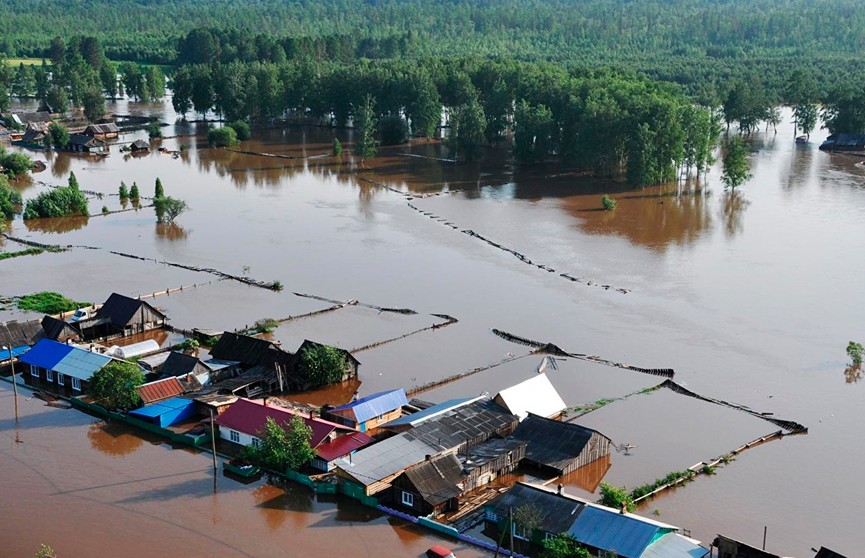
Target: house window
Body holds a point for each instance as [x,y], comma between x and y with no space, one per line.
[49,375]
[76,384]
[521,532]
[60,379]
[34,371]
[255,442]
[408,499]
[234,436]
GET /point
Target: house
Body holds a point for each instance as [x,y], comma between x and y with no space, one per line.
[249,351]
[59,330]
[373,469]
[139,146]
[602,530]
[368,413]
[535,395]
[430,411]
[844,142]
[161,389]
[19,336]
[122,316]
[489,460]
[430,487]
[731,548]
[25,118]
[60,368]
[299,378]
[34,135]
[79,143]
[106,131]
[181,365]
[242,421]
[166,412]
[558,448]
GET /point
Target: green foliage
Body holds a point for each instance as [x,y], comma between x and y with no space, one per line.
[276,285]
[114,385]
[105,209]
[265,325]
[614,497]
[393,130]
[608,203]
[58,202]
[58,135]
[57,100]
[134,192]
[563,546]
[468,129]
[47,302]
[168,209]
[282,446]
[154,130]
[364,126]
[45,551]
[708,469]
[641,491]
[10,199]
[528,517]
[158,189]
[855,351]
[242,130]
[27,252]
[322,364]
[93,103]
[736,170]
[533,128]
[124,192]
[189,345]
[222,137]
[15,164]
[337,147]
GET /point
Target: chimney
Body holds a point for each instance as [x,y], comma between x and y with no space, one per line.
[561,490]
[427,457]
[265,401]
[624,509]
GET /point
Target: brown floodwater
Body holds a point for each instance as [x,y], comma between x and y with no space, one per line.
[751,297]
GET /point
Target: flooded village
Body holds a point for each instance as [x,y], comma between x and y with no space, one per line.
[504,348]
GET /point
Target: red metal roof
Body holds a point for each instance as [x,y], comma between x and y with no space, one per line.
[249,417]
[159,390]
[342,446]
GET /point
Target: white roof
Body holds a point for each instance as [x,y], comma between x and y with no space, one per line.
[535,395]
[135,349]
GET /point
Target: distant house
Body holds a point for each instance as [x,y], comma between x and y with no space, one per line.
[122,316]
[844,142]
[139,146]
[430,487]
[731,548]
[249,351]
[298,375]
[19,336]
[369,412]
[79,143]
[535,395]
[558,447]
[242,421]
[603,531]
[105,131]
[25,118]
[60,368]
[59,330]
[34,135]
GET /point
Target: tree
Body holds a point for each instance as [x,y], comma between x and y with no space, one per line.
[57,99]
[563,545]
[528,518]
[364,127]
[533,125]
[158,190]
[58,202]
[282,446]
[614,497]
[57,51]
[393,130]
[168,209]
[15,164]
[93,103]
[468,127]
[10,199]
[241,128]
[58,135]
[124,192]
[114,385]
[337,147]
[855,351]
[735,161]
[154,82]
[134,192]
[222,137]
[154,130]
[322,364]
[181,86]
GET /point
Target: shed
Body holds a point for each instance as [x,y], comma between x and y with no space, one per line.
[160,389]
[139,146]
[179,364]
[560,447]
[59,330]
[108,130]
[430,487]
[167,412]
[248,351]
[407,422]
[86,144]
[535,395]
[369,412]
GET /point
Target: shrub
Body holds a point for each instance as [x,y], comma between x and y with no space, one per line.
[265,325]
[10,199]
[58,202]
[337,147]
[393,130]
[134,192]
[15,164]
[48,302]
[608,203]
[159,191]
[282,446]
[104,209]
[855,352]
[614,497]
[154,130]
[222,137]
[242,130]
[322,364]
[124,192]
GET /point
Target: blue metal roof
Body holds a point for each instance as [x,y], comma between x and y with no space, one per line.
[374,405]
[16,352]
[429,412]
[158,409]
[81,364]
[626,535]
[46,354]
[674,545]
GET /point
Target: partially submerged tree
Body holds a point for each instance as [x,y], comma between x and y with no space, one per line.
[322,364]
[58,135]
[608,203]
[59,202]
[735,161]
[168,209]
[222,137]
[855,351]
[364,126]
[10,199]
[615,497]
[114,385]
[282,447]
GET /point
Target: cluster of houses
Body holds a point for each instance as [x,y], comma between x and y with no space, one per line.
[419,458]
[30,129]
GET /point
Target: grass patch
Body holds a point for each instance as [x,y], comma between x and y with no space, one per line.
[48,302]
[25,61]
[27,252]
[641,491]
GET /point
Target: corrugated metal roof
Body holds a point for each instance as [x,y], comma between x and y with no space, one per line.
[249,417]
[552,442]
[609,530]
[674,545]
[557,511]
[16,352]
[473,423]
[535,395]
[437,480]
[430,412]
[384,459]
[373,405]
[342,446]
[81,364]
[46,354]
[161,389]
[20,333]
[158,409]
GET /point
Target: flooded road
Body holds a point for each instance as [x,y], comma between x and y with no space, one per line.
[751,297]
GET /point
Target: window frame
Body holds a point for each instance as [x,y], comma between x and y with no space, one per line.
[407,499]
[34,371]
[61,381]
[76,384]
[234,436]
[49,375]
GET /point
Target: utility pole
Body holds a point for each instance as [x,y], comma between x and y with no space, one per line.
[511,530]
[213,439]
[765,528]
[14,383]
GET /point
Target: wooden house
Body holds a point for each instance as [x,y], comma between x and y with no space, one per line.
[731,548]
[558,448]
[139,147]
[79,143]
[368,413]
[122,315]
[60,368]
[34,135]
[106,131]
[431,487]
[484,463]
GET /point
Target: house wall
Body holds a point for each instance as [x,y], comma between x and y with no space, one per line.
[37,378]
[488,472]
[242,439]
[597,447]
[374,423]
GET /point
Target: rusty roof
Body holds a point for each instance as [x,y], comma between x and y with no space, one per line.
[160,389]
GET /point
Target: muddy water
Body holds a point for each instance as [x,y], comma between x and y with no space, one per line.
[750,297]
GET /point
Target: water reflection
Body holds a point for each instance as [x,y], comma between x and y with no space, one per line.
[56,225]
[589,477]
[171,231]
[733,211]
[277,503]
[113,439]
[852,374]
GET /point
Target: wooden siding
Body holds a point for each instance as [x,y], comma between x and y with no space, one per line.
[42,383]
[597,447]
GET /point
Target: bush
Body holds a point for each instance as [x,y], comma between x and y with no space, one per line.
[322,364]
[222,137]
[134,192]
[159,190]
[614,497]
[104,209]
[154,130]
[15,164]
[337,147]
[242,130]
[114,385]
[168,209]
[10,199]
[265,325]
[608,203]
[48,302]
[855,352]
[58,202]
[282,446]
[393,130]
